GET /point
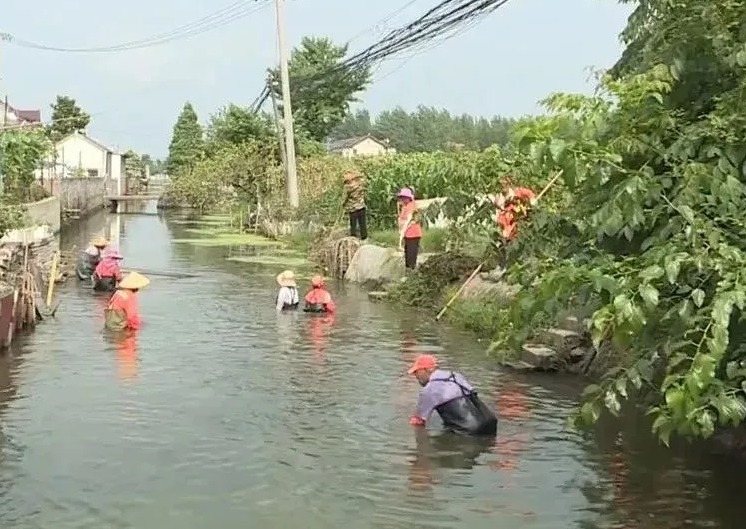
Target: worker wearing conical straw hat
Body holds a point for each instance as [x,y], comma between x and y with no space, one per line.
[287,296]
[90,257]
[123,311]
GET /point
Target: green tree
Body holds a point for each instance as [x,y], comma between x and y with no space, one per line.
[22,153]
[67,117]
[233,124]
[187,143]
[427,129]
[156,166]
[321,88]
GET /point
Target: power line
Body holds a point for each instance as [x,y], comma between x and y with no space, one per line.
[222,17]
[443,20]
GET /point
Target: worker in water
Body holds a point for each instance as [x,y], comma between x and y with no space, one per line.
[354,202]
[123,312]
[410,231]
[89,258]
[451,395]
[318,298]
[108,272]
[287,296]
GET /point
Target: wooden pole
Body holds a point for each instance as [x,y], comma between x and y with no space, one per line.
[52,277]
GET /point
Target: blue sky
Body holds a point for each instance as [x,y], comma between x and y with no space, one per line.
[502,66]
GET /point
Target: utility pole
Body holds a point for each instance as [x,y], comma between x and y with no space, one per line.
[4,37]
[291,174]
[278,127]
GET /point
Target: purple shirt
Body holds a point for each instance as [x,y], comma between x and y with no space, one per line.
[438,392]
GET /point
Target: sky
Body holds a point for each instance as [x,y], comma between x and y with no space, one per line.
[504,66]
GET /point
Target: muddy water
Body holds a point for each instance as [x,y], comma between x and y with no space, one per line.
[222,414]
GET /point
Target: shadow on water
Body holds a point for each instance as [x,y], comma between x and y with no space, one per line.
[220,411]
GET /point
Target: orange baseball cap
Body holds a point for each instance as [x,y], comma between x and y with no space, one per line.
[423,362]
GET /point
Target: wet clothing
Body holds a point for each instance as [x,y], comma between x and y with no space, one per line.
[358,224]
[107,275]
[87,262]
[287,298]
[457,403]
[354,194]
[123,311]
[319,300]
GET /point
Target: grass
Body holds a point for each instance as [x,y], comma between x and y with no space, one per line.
[433,239]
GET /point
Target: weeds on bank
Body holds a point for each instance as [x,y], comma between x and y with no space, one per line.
[433,239]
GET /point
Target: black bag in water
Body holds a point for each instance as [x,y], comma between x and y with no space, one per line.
[468,414]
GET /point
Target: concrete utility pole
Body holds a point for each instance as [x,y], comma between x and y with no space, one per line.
[291,174]
[4,37]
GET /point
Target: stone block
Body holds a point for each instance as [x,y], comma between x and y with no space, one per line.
[561,340]
[540,356]
[573,323]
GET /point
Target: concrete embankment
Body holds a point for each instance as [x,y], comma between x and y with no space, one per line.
[565,347]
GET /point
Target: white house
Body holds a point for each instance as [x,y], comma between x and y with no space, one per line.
[79,155]
[360,146]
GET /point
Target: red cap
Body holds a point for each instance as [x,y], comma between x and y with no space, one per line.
[423,362]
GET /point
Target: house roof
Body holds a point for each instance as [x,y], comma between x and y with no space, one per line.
[29,116]
[348,143]
[90,140]
[32,116]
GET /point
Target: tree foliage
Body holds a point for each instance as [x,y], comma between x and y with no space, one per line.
[652,235]
[320,89]
[187,143]
[67,117]
[233,125]
[237,174]
[23,152]
[427,129]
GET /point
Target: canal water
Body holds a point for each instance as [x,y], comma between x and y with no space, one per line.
[221,413]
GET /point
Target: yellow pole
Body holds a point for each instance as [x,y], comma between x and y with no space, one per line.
[52,277]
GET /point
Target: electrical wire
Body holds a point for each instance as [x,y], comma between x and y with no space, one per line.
[444,20]
[222,17]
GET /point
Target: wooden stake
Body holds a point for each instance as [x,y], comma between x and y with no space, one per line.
[52,278]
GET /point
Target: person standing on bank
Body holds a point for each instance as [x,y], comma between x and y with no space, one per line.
[354,203]
[410,231]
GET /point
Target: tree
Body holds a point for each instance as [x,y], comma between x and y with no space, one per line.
[321,89]
[235,125]
[67,117]
[427,129]
[156,166]
[22,153]
[187,143]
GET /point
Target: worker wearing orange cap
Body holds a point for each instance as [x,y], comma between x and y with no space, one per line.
[453,397]
[318,298]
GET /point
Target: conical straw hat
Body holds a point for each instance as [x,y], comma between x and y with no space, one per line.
[134,281]
[286,279]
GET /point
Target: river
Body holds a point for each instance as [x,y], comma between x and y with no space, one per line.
[224,414]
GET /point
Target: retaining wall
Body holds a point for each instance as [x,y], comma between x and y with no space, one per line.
[78,197]
[46,212]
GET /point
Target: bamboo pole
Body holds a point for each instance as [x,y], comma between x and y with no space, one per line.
[476,271]
[52,278]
